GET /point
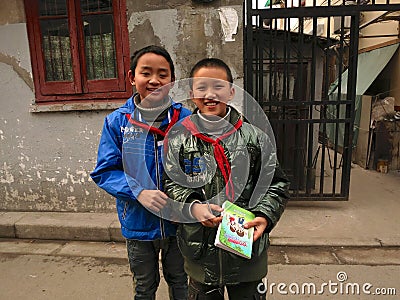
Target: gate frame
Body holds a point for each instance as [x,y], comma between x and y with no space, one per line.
[315,11]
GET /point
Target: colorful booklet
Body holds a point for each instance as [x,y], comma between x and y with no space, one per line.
[231,234]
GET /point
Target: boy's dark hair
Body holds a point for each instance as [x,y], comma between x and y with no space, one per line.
[156,50]
[211,62]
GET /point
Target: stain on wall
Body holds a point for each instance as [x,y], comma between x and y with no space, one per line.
[12,12]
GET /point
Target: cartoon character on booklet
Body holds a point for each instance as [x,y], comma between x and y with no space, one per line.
[240,229]
[232,223]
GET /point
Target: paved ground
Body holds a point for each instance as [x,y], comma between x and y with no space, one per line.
[369,218]
[38,277]
[313,241]
[284,255]
[60,270]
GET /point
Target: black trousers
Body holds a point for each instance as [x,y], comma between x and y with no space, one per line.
[241,291]
[143,260]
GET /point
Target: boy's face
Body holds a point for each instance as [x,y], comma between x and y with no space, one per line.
[211,91]
[151,73]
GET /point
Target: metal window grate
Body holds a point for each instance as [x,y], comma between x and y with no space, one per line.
[56,40]
[99,39]
[100,47]
[52,8]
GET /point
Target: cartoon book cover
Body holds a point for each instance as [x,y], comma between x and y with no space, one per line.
[231,234]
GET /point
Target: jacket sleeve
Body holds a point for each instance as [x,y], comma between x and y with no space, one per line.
[109,173]
[274,201]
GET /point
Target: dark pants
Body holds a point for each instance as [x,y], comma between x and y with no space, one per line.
[143,260]
[241,291]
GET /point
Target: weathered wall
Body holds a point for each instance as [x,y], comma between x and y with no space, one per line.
[46,158]
[189,31]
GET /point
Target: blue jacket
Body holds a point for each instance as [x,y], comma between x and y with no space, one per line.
[129,161]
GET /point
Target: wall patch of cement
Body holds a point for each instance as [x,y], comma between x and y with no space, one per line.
[229,22]
[163,25]
[17,45]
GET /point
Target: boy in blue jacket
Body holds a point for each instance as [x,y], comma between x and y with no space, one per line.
[129,167]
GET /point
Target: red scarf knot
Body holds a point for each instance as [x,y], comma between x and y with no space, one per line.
[174,119]
[219,153]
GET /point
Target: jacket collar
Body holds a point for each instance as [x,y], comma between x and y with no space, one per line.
[130,106]
[235,116]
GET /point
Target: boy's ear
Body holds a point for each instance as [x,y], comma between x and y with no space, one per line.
[232,93]
[131,77]
[191,97]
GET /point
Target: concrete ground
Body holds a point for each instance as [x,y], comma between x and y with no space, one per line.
[317,238]
[369,218]
[37,269]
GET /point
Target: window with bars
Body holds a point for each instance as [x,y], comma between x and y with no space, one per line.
[79,49]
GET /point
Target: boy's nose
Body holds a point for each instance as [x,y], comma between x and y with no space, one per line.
[154,80]
[210,94]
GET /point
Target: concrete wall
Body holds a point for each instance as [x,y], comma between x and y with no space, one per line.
[46,158]
[189,31]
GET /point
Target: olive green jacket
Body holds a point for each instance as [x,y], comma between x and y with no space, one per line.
[260,186]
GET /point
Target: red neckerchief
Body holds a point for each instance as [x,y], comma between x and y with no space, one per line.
[220,157]
[156,130]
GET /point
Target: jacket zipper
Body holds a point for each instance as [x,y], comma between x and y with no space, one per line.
[220,267]
[125,210]
[220,256]
[162,229]
[219,250]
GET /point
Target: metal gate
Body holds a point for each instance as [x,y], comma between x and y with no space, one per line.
[296,54]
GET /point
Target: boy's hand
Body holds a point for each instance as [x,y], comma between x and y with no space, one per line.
[259,224]
[154,200]
[203,213]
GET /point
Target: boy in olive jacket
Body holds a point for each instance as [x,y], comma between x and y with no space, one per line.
[214,156]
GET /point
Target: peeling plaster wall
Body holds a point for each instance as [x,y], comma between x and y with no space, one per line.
[190,31]
[46,158]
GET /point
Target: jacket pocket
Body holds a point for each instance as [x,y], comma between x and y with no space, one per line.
[260,246]
[192,240]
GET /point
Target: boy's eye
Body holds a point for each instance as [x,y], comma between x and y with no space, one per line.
[200,88]
[145,73]
[163,75]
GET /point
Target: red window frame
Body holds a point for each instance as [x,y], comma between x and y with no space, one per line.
[80,88]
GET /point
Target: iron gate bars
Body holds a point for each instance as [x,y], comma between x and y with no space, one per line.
[295,54]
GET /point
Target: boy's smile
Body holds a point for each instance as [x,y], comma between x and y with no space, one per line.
[152,73]
[210,103]
[211,91]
